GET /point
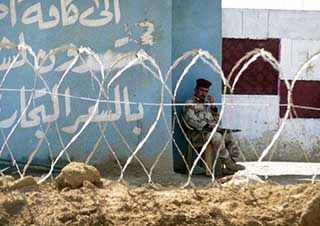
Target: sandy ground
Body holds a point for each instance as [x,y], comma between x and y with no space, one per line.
[115,203]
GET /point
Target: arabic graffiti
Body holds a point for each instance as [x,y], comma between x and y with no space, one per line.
[108,116]
[67,14]
[147,37]
[39,115]
[6,62]
[77,77]
[110,59]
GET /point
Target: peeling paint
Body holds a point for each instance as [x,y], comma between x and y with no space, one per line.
[136,130]
[127,30]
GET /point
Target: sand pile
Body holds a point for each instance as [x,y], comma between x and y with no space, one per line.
[114,203]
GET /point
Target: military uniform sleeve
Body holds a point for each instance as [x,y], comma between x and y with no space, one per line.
[191,118]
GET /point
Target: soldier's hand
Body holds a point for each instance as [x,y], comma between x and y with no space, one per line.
[210,99]
[216,116]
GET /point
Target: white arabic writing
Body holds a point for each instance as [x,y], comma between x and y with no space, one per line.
[68,14]
[109,59]
[39,114]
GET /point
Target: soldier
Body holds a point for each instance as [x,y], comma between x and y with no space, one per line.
[204,117]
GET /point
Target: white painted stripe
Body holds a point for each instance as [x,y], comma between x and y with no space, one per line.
[255,24]
[303,131]
[262,115]
[294,53]
[282,168]
[232,23]
[260,23]
[273,4]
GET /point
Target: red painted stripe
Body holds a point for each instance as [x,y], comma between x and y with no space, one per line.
[305,93]
[260,77]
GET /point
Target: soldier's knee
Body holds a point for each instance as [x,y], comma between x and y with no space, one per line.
[217,137]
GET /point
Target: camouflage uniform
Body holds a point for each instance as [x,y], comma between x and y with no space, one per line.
[199,116]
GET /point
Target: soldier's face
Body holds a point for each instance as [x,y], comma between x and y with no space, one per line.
[201,92]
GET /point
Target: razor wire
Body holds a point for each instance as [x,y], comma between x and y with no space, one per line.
[148,63]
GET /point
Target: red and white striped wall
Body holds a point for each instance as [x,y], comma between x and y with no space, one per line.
[260,98]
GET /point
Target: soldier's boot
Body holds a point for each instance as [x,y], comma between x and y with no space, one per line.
[232,166]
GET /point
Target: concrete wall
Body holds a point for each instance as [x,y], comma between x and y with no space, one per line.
[260,116]
[111,28]
[196,25]
[262,24]
[273,4]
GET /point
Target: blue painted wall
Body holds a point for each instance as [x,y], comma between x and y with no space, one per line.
[163,28]
[195,25]
[42,25]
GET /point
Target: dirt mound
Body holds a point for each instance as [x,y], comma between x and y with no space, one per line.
[116,203]
[311,214]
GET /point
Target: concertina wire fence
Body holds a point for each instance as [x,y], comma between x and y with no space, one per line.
[148,63]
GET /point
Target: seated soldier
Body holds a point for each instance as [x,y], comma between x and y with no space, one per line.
[203,117]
